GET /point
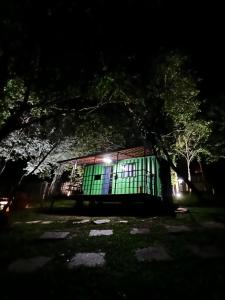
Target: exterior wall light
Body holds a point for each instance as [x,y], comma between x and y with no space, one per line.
[107,160]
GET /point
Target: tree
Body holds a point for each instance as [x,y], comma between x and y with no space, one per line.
[43,82]
[33,88]
[188,133]
[41,148]
[191,142]
[162,109]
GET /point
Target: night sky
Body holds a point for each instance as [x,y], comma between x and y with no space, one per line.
[87,34]
[139,29]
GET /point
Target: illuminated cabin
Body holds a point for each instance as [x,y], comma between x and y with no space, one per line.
[109,176]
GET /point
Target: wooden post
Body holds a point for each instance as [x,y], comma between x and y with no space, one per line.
[150,175]
[155,179]
[145,173]
[117,156]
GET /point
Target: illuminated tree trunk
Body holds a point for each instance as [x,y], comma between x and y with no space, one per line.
[171,164]
[3,167]
[38,165]
[189,173]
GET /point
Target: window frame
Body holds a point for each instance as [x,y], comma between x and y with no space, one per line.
[128,170]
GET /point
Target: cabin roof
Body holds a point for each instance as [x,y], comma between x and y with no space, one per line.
[115,155]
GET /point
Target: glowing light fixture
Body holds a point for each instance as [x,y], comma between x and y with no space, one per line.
[2,204]
[178,195]
[107,160]
[180,180]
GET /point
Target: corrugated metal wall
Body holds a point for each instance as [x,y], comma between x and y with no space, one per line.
[130,176]
[93,180]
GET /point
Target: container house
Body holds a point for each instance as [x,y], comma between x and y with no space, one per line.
[134,172]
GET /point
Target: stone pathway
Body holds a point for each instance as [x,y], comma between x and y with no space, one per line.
[213,225]
[28,265]
[151,254]
[139,231]
[100,232]
[177,228]
[89,259]
[33,222]
[37,222]
[182,210]
[103,221]
[82,221]
[97,259]
[47,222]
[54,235]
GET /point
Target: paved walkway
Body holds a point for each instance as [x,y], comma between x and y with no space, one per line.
[99,258]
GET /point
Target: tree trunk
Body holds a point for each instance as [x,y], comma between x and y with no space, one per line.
[185,178]
[155,140]
[3,167]
[204,182]
[188,170]
[173,167]
[189,174]
[38,165]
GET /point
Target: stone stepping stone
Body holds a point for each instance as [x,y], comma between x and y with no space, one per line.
[182,210]
[123,221]
[82,221]
[177,228]
[28,265]
[89,259]
[103,221]
[54,235]
[213,225]
[139,231]
[33,222]
[206,251]
[152,254]
[94,232]
[46,222]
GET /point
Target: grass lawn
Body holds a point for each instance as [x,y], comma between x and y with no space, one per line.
[186,276]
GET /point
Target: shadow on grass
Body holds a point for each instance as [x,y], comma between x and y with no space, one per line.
[112,209]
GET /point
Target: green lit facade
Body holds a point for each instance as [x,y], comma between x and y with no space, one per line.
[131,174]
[138,175]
